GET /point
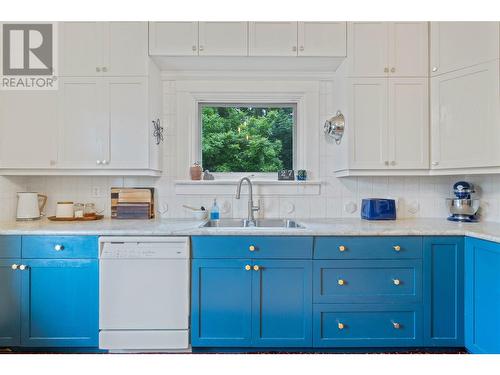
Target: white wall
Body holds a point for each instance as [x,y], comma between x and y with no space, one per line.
[425,194]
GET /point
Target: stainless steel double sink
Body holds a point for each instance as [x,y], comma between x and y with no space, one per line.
[259,223]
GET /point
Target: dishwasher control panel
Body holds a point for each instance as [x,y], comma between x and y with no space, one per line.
[144,247]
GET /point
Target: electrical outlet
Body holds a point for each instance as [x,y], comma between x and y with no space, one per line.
[96,192]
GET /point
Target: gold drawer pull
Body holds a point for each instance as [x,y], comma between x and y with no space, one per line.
[396,282]
[340,325]
[342,248]
[396,325]
[397,248]
[341,282]
[251,248]
[256,268]
[248,267]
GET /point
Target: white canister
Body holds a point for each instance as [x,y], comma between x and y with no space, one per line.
[64,210]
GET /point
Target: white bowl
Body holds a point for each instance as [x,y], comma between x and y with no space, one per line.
[200,214]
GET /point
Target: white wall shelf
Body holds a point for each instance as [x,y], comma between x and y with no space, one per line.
[260,187]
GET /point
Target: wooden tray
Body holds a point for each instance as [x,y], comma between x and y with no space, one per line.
[96,217]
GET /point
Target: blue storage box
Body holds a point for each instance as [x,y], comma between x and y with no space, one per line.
[378,209]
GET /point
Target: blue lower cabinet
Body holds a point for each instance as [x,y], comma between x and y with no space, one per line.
[10,303]
[244,303]
[221,302]
[282,303]
[372,325]
[60,303]
[444,291]
[482,296]
[368,281]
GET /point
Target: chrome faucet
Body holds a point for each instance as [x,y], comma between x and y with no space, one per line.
[251,207]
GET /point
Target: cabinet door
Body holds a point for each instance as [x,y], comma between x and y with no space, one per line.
[173,38]
[127,103]
[465,118]
[81,48]
[444,291]
[282,303]
[60,303]
[322,39]
[126,49]
[223,39]
[221,298]
[409,123]
[272,38]
[482,296]
[28,129]
[367,122]
[10,303]
[408,49]
[457,45]
[83,123]
[368,49]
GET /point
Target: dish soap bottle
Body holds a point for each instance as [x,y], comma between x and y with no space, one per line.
[214,212]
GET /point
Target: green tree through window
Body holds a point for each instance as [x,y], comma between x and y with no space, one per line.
[247,138]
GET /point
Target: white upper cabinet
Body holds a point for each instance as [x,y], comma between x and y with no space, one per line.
[408,118]
[465,118]
[387,126]
[367,124]
[126,49]
[387,49]
[81,48]
[28,129]
[368,49]
[104,123]
[127,104]
[322,39]
[408,49]
[457,45]
[173,38]
[82,123]
[103,49]
[272,38]
[223,38]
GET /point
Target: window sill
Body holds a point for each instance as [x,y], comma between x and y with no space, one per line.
[260,187]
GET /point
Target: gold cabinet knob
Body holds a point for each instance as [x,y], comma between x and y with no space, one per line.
[342,248]
[396,325]
[14,266]
[340,325]
[386,70]
[393,70]
[251,248]
[397,248]
[256,268]
[248,267]
[341,282]
[23,267]
[396,281]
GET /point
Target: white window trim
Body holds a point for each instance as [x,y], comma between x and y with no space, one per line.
[305,95]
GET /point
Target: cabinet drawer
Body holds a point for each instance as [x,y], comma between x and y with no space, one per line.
[368,248]
[10,246]
[367,325]
[368,281]
[59,247]
[252,247]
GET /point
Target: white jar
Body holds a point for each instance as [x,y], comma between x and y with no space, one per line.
[64,210]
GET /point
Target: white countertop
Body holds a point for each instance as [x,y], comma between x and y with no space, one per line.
[314,227]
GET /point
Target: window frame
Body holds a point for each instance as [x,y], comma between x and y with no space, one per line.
[247,103]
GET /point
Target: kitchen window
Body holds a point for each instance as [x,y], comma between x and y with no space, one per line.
[247,137]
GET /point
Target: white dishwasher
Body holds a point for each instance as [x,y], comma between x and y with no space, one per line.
[144,293]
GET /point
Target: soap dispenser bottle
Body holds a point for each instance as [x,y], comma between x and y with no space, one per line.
[214,212]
